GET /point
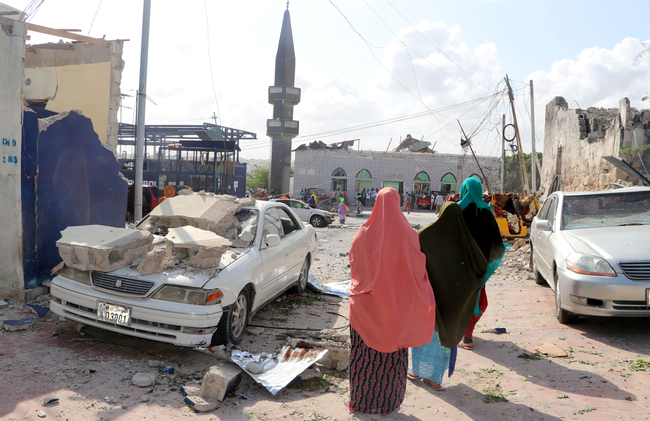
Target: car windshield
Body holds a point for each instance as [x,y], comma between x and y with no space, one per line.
[606,210]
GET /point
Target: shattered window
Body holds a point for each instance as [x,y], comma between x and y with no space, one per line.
[248,222]
[606,210]
[272,223]
[289,225]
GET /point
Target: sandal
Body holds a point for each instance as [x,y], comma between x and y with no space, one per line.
[411,375]
[466,345]
[433,385]
[349,408]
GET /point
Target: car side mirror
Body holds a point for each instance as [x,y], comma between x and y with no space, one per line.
[272,240]
[544,225]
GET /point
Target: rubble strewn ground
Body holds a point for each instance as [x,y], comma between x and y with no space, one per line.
[604,375]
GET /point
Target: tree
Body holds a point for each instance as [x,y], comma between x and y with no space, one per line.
[512,181]
[259,177]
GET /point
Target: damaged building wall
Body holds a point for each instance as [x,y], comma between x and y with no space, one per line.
[78,76]
[576,140]
[70,179]
[12,48]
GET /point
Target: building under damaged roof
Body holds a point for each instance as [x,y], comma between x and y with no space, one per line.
[581,145]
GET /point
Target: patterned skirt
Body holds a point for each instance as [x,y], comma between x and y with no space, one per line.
[377,379]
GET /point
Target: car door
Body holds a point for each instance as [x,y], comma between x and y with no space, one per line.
[275,259]
[301,210]
[296,239]
[543,241]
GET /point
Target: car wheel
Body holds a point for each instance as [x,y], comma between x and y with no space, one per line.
[537,277]
[301,286]
[317,221]
[232,325]
[563,316]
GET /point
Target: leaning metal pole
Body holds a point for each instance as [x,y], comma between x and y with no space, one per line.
[474,155]
[142,95]
[522,164]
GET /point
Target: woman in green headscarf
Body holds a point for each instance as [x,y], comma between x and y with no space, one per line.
[483,228]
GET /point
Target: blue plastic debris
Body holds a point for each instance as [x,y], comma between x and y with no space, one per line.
[22,324]
[40,311]
[189,401]
[183,391]
[500,330]
[168,370]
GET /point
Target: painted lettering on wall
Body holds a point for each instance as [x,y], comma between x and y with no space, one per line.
[9,156]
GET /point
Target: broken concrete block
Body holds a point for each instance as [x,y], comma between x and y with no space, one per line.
[99,247]
[153,262]
[22,324]
[40,311]
[191,389]
[254,368]
[551,350]
[50,400]
[312,372]
[3,304]
[214,213]
[41,414]
[204,248]
[255,330]
[144,379]
[246,201]
[218,382]
[200,404]
[518,244]
[207,257]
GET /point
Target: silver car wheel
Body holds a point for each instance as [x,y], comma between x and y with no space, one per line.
[563,316]
[239,315]
[316,221]
[304,274]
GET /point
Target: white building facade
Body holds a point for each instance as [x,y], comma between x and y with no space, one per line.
[352,171]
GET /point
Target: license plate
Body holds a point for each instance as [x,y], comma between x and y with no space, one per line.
[112,313]
[647,297]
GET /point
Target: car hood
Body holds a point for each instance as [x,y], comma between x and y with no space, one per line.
[616,244]
[186,276]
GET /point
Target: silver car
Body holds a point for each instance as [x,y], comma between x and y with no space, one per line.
[316,217]
[593,249]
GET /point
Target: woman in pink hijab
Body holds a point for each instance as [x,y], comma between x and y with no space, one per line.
[392,307]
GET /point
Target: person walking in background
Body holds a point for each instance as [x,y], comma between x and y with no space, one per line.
[332,198]
[408,200]
[312,200]
[440,199]
[485,232]
[374,196]
[359,204]
[343,211]
[392,307]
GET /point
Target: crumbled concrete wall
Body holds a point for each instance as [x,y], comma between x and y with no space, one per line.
[98,247]
[576,140]
[12,49]
[78,76]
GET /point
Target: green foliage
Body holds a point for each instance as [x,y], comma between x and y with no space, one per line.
[638,365]
[512,179]
[259,177]
[639,149]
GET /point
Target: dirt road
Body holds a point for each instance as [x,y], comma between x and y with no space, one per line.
[501,379]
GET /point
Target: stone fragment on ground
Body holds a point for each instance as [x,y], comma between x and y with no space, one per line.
[218,382]
[336,358]
[50,400]
[144,379]
[21,324]
[102,248]
[551,350]
[200,404]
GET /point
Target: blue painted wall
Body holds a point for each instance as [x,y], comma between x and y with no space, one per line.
[76,182]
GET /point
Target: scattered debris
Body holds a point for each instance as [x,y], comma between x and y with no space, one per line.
[41,414]
[255,330]
[199,404]
[22,324]
[337,357]
[518,244]
[551,350]
[219,382]
[3,304]
[255,368]
[497,330]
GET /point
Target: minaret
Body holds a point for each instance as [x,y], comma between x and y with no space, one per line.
[283,95]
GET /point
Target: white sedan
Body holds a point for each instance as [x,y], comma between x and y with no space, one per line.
[190,307]
[316,217]
[593,249]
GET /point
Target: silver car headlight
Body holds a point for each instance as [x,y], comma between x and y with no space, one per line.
[189,295]
[586,264]
[75,274]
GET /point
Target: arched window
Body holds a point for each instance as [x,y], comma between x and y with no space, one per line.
[448,183]
[422,183]
[339,173]
[363,174]
[339,182]
[422,176]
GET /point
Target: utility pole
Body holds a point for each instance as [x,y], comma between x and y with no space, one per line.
[142,101]
[533,167]
[522,165]
[472,150]
[214,116]
[503,153]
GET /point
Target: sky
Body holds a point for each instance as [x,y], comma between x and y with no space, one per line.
[373,70]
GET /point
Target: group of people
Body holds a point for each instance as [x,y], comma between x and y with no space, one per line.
[421,290]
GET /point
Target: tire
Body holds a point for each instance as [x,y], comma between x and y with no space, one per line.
[563,316]
[232,326]
[301,286]
[537,277]
[317,221]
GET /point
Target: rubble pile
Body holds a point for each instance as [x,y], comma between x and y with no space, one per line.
[517,257]
[199,229]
